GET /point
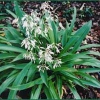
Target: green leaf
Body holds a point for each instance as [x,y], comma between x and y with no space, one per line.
[33,91]
[18,10]
[88,46]
[8,35]
[89,83]
[59,86]
[89,70]
[90,78]
[19,13]
[37,92]
[92,53]
[86,31]
[14,33]
[65,68]
[19,80]
[47,92]
[54,28]
[53,90]
[5,67]
[6,83]
[77,37]
[7,55]
[27,85]
[75,57]
[74,91]
[11,48]
[73,21]
[19,57]
[65,35]
[67,74]
[68,29]
[11,13]
[44,77]
[30,84]
[51,36]
[31,72]
[88,62]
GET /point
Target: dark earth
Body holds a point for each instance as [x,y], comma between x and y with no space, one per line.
[86,11]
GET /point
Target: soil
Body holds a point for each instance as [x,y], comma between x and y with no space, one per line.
[90,11]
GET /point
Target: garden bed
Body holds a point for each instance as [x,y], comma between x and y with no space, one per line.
[85,11]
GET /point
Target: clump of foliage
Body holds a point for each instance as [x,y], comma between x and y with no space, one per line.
[41,55]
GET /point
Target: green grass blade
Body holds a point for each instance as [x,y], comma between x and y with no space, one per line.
[44,77]
[74,91]
[88,46]
[89,70]
[11,13]
[53,90]
[11,48]
[14,33]
[37,92]
[18,10]
[27,85]
[47,92]
[19,80]
[83,30]
[31,72]
[90,78]
[5,67]
[7,55]
[59,86]
[6,83]
[86,31]
[19,57]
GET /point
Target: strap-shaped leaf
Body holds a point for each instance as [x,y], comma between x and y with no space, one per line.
[11,13]
[90,70]
[90,79]
[47,92]
[59,86]
[74,91]
[76,37]
[44,77]
[88,46]
[11,48]
[19,80]
[7,55]
[18,57]
[18,10]
[27,85]
[5,67]
[37,92]
[53,90]
[15,33]
[6,83]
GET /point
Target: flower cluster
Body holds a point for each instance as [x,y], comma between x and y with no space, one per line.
[44,54]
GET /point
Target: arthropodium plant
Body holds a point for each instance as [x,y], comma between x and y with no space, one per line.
[43,54]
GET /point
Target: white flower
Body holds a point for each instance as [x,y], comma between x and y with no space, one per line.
[33,43]
[29,56]
[45,5]
[25,24]
[46,30]
[15,21]
[57,63]
[61,26]
[38,30]
[50,46]
[43,67]
[26,43]
[48,55]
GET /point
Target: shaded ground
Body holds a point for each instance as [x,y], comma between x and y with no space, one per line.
[85,11]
